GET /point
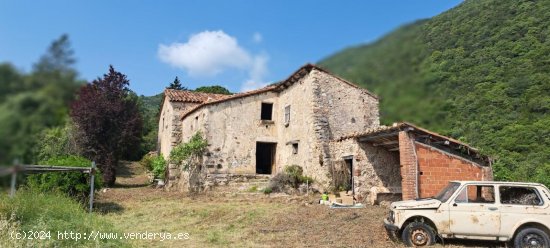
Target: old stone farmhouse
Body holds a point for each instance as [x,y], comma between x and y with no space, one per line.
[323,123]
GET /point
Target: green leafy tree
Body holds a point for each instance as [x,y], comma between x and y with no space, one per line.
[33,102]
[216,89]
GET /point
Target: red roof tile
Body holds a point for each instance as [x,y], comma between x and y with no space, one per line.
[190,96]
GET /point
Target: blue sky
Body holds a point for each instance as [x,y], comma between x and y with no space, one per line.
[237,44]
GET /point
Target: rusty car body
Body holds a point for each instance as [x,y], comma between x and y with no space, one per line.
[502,211]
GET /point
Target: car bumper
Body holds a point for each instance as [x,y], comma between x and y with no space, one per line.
[391,229]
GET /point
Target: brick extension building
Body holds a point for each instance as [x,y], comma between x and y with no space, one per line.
[324,124]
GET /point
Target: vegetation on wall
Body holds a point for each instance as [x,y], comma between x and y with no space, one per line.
[182,153]
[478,72]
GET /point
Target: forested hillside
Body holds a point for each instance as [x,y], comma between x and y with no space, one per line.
[479,72]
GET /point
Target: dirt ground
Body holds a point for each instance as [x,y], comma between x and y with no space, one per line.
[241,220]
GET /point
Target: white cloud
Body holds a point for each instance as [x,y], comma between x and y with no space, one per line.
[257,37]
[256,74]
[210,53]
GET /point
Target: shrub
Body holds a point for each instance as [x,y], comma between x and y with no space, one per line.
[73,184]
[268,190]
[147,161]
[289,179]
[158,164]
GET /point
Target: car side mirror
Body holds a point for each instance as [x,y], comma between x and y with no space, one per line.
[454,204]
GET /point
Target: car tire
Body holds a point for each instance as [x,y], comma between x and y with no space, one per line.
[532,237]
[418,234]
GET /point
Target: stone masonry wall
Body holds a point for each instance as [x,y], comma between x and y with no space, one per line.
[169,132]
[375,170]
[338,109]
[322,107]
[232,129]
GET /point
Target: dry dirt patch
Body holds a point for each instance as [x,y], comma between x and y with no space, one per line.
[240,220]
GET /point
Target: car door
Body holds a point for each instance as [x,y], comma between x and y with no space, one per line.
[475,211]
[520,204]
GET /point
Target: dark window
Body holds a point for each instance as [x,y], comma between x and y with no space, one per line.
[267,111]
[295,148]
[519,196]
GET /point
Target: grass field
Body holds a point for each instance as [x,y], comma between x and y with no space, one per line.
[241,220]
[246,219]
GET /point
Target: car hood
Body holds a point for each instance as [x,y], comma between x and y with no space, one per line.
[416,204]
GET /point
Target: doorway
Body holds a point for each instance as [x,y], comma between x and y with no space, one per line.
[265,157]
[349,171]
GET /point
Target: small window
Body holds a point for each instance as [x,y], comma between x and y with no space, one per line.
[295,148]
[267,111]
[476,194]
[519,196]
[287,114]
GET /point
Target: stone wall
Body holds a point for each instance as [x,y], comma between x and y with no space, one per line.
[169,132]
[232,129]
[338,109]
[322,107]
[375,170]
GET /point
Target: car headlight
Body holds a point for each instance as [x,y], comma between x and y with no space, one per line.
[391,216]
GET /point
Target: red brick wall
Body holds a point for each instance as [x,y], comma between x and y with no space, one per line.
[407,161]
[437,168]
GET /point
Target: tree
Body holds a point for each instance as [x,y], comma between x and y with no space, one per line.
[58,58]
[215,89]
[33,102]
[108,119]
[176,85]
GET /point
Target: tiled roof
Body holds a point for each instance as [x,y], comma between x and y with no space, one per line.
[190,96]
[379,129]
[277,87]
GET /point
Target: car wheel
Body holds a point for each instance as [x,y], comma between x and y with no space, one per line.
[418,234]
[532,237]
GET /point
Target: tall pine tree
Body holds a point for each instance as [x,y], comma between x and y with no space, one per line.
[176,85]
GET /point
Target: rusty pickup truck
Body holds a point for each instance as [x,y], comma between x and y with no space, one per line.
[513,212]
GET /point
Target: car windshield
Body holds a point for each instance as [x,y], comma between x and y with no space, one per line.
[447,192]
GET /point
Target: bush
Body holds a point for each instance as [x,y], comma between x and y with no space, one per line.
[50,212]
[268,190]
[289,179]
[147,161]
[159,166]
[73,184]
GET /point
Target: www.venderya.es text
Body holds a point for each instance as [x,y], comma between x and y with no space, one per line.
[98,235]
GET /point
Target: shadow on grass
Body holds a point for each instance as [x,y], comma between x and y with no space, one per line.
[108,207]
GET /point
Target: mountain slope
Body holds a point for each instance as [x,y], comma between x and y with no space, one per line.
[480,72]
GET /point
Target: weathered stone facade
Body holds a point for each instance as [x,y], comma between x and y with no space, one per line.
[375,170]
[317,121]
[233,127]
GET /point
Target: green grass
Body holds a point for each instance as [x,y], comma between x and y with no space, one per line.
[53,214]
